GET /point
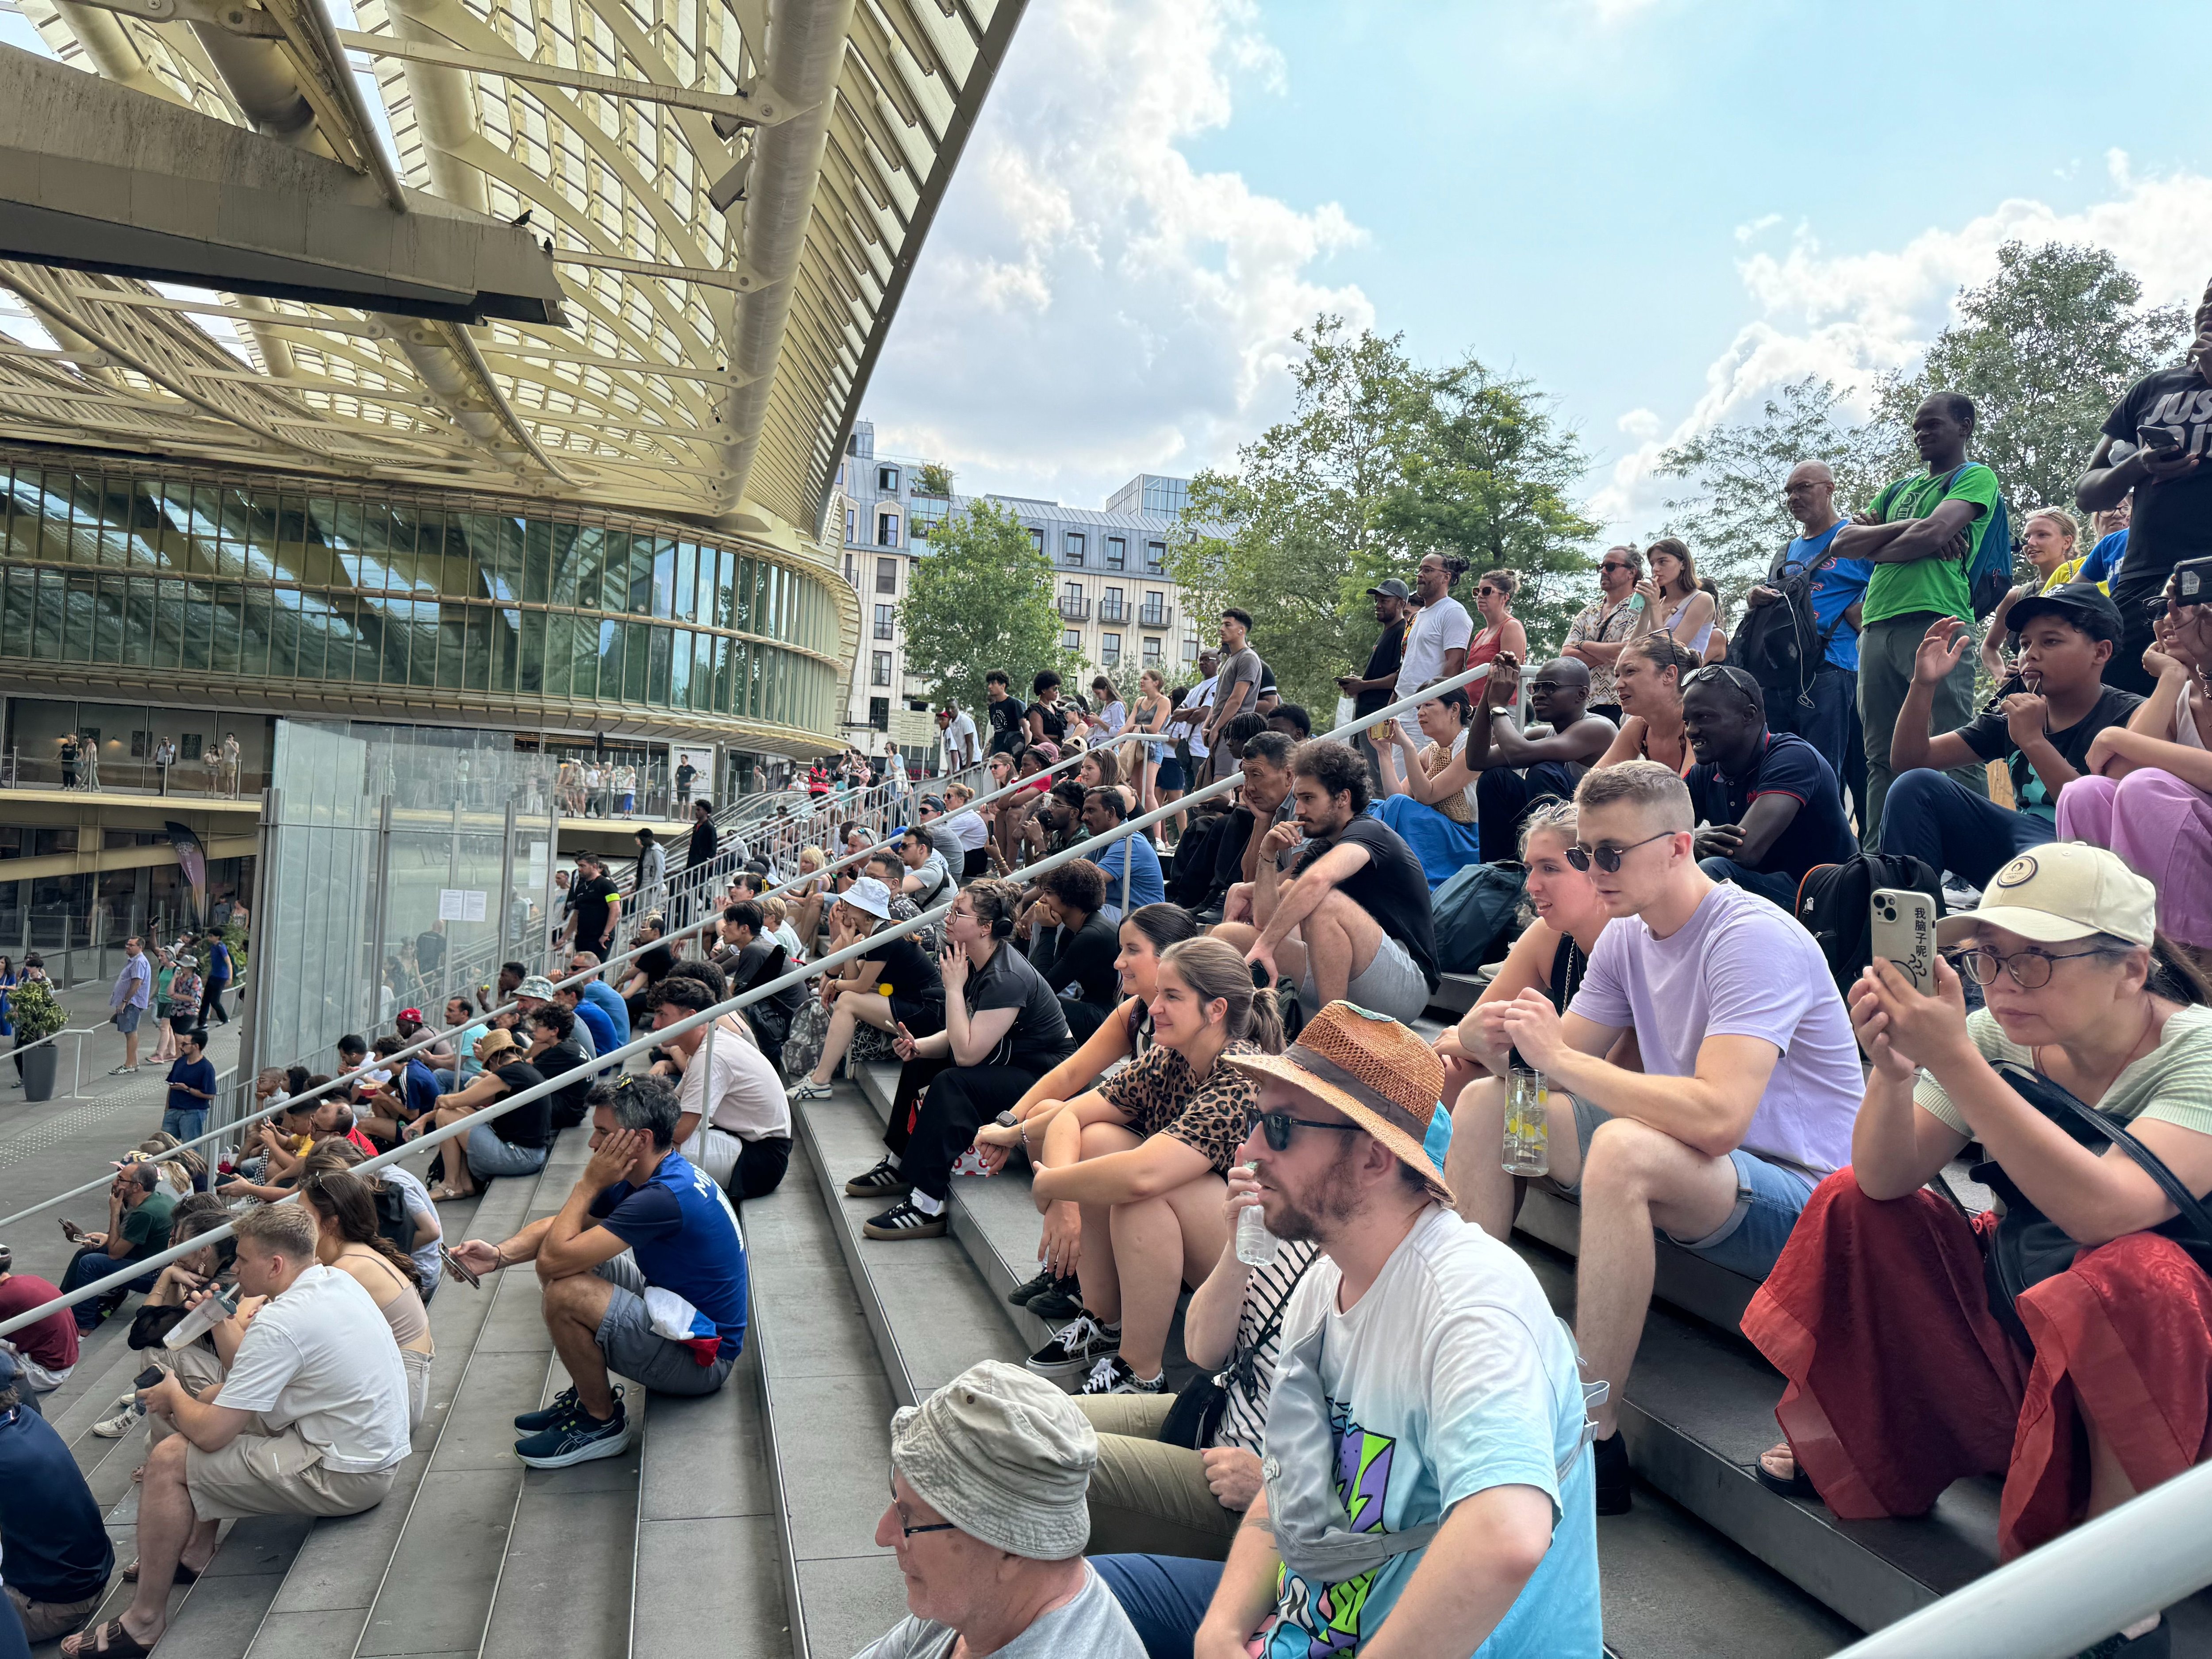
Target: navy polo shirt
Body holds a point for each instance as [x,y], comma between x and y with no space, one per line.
[1787,765]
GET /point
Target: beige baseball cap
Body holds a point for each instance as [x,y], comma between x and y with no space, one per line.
[2067,890]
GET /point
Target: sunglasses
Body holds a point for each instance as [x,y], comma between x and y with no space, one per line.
[1616,564]
[1606,856]
[1277,1126]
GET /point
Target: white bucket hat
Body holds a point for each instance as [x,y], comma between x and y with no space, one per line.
[870,897]
[1005,1457]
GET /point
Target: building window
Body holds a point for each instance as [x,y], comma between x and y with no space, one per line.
[879,713]
[1071,638]
[1037,538]
[880,670]
[1072,605]
[1155,613]
[1151,650]
[852,575]
[1072,545]
[886,575]
[887,529]
[1156,557]
[1110,649]
[1110,608]
[1190,650]
[1117,552]
[885,614]
[841,475]
[851,523]
[887,479]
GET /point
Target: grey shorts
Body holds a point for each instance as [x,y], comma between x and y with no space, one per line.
[1393,984]
[636,1350]
[1769,1197]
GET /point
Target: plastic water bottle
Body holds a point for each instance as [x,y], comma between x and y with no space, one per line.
[1255,1245]
[199,1319]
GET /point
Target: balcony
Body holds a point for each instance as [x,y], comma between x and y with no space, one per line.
[1156,616]
[1074,607]
[1113,610]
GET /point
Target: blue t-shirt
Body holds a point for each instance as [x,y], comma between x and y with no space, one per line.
[51,1535]
[193,1074]
[418,1086]
[595,1020]
[1786,766]
[601,995]
[1145,883]
[218,963]
[685,1237]
[1451,1376]
[2103,564]
[1838,585]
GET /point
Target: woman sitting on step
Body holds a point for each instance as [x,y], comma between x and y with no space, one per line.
[895,985]
[1138,1165]
[1436,820]
[2067,1347]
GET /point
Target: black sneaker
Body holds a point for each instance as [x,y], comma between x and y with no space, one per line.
[904,1219]
[576,1438]
[882,1182]
[1020,1295]
[563,1403]
[1076,1348]
[1615,1481]
[1061,1304]
[1114,1375]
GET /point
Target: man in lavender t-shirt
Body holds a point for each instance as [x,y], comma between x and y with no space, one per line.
[1749,1085]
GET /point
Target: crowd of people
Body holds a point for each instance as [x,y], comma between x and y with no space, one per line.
[1215,1021]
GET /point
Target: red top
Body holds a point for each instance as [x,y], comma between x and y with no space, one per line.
[53,1340]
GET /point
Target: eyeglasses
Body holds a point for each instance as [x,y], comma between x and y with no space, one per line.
[1277,1126]
[909,1532]
[1606,856]
[2030,969]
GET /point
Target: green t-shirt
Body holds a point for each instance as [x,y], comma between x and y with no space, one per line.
[2172,1083]
[1936,584]
[147,1228]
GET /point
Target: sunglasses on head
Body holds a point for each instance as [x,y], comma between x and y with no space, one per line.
[1277,1126]
[1606,856]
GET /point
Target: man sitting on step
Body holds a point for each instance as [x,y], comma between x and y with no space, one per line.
[1749,1086]
[644,1272]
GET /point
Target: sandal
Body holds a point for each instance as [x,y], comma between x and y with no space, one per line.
[185,1574]
[446,1196]
[1798,1484]
[107,1641]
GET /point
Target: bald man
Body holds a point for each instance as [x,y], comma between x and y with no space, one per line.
[1830,721]
[1517,771]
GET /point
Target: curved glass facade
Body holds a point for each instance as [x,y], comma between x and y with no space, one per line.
[148,573]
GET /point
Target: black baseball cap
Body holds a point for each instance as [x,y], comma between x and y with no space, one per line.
[2082,603]
[1392,586]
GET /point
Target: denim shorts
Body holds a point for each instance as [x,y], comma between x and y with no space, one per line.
[185,1125]
[126,1018]
[1769,1198]
[490,1156]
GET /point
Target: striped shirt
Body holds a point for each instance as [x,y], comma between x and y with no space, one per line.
[1244,1417]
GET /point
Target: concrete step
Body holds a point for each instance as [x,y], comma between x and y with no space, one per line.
[825,1408]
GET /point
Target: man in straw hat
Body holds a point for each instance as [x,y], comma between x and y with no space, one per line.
[1424,1458]
[988,1519]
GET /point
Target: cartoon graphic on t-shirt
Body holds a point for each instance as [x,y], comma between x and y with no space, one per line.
[1328,1616]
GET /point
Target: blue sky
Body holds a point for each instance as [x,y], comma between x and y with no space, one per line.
[1658,209]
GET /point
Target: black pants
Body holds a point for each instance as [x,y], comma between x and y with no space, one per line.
[213,1011]
[930,1132]
[977,864]
[1610,710]
[89,1265]
[760,1167]
[1503,797]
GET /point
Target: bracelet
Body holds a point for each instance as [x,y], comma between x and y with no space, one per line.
[499,1257]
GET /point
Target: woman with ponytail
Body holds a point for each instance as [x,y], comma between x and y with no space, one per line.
[347,1240]
[1135,1170]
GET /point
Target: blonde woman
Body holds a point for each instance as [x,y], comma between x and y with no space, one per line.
[806,901]
[2050,540]
[1501,630]
[1671,598]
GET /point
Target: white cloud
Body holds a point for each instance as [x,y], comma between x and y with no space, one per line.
[1091,304]
[1851,317]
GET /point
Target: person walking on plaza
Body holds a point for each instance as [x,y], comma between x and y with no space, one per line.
[220,972]
[128,1002]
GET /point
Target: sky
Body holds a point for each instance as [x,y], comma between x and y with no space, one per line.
[1658,211]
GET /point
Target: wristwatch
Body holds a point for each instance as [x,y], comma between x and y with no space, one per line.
[1007,1119]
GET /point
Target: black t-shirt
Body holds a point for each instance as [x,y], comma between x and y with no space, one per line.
[907,968]
[749,969]
[1391,887]
[587,902]
[563,1058]
[429,952]
[1191,879]
[655,961]
[1788,766]
[1382,664]
[2172,521]
[1053,716]
[528,1125]
[1083,959]
[706,842]
[1986,736]
[1039,1039]
[1005,716]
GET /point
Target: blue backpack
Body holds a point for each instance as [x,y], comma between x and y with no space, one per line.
[1989,574]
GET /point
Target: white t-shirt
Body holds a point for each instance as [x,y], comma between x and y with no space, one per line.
[1201,697]
[1434,629]
[320,1358]
[1740,967]
[968,824]
[960,739]
[1451,1377]
[747,1099]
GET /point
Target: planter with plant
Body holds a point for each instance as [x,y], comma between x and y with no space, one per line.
[37,1013]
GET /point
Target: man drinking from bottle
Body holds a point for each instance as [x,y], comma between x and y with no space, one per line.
[1749,1085]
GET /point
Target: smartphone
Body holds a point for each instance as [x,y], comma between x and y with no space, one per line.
[2162,441]
[71,1232]
[467,1276]
[2192,582]
[1902,931]
[151,1377]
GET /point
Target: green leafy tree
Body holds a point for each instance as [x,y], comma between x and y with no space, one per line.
[981,599]
[932,479]
[2044,348]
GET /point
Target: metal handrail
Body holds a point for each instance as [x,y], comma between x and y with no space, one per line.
[858,951]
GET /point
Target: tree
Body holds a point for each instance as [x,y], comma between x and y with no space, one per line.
[2044,348]
[932,479]
[1735,522]
[982,599]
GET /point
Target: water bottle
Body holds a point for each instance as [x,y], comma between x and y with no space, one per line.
[1527,1126]
[199,1319]
[1255,1245]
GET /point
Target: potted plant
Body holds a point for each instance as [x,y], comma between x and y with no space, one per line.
[37,1013]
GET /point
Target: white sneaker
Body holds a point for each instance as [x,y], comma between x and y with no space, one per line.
[115,1427]
[807,1089]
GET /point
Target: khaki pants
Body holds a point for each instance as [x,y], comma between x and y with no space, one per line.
[1149,1499]
[195,1365]
[44,1621]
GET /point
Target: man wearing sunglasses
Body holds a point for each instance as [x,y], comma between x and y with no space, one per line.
[1768,800]
[1749,1087]
[1514,772]
[1601,628]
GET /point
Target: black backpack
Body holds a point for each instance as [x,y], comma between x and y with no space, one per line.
[1834,904]
[1781,644]
[392,1221]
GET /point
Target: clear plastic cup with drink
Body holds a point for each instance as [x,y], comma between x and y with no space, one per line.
[1527,1123]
